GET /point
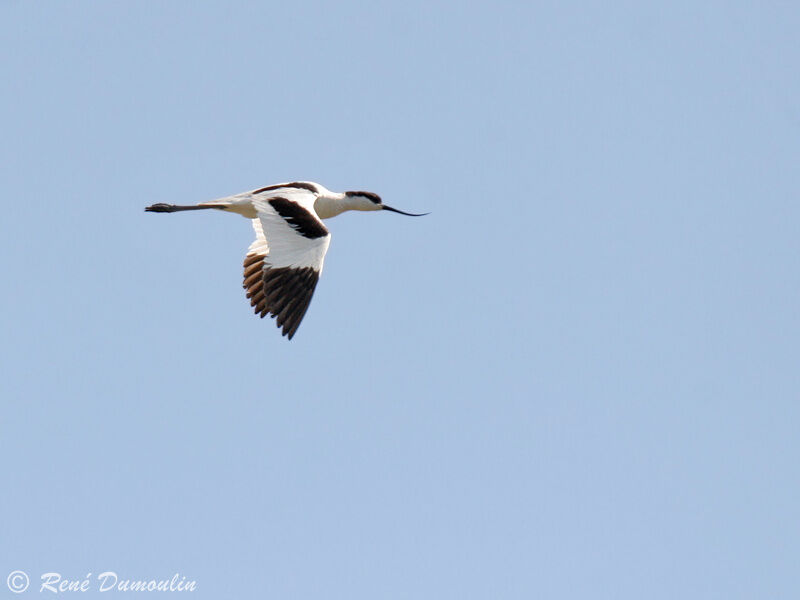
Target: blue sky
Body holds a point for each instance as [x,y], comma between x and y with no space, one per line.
[577,378]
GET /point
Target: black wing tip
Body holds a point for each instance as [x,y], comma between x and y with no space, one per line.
[283,293]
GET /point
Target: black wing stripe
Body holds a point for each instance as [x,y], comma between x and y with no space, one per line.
[300,219]
[299,185]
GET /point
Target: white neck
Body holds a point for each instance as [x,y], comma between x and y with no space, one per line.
[329,204]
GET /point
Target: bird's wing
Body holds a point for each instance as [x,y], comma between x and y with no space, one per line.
[284,262]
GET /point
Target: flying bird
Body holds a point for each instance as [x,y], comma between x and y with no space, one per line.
[284,262]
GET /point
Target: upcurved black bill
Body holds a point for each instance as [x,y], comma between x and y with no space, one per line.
[389,208]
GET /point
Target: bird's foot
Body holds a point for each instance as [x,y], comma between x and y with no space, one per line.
[160,207]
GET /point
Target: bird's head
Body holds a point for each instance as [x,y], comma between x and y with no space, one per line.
[370,201]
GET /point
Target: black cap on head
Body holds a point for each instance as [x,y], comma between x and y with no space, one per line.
[369,195]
